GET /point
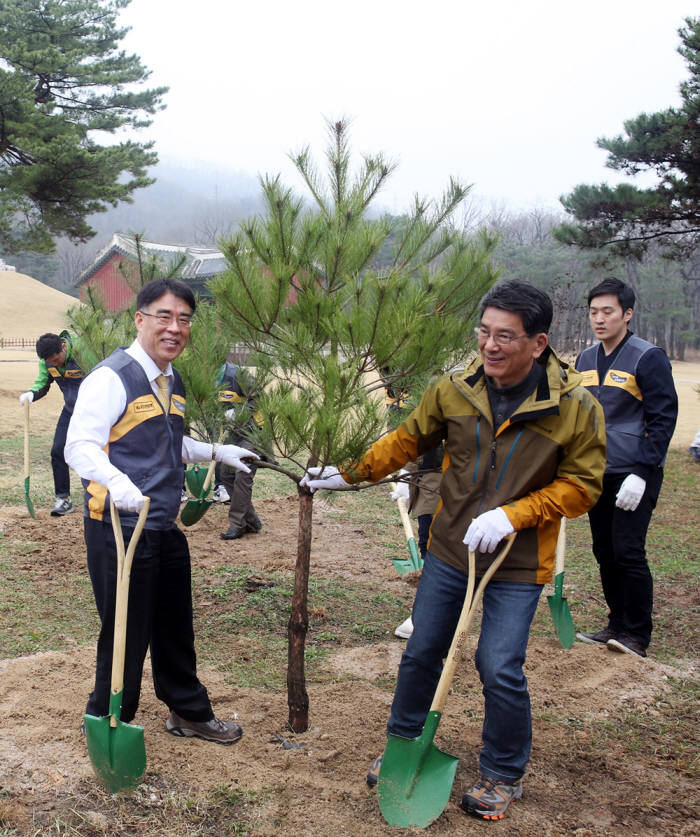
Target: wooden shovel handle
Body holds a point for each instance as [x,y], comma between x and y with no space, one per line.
[465,620]
[561,548]
[207,479]
[26,439]
[124,561]
[403,511]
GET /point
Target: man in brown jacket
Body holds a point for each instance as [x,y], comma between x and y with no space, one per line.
[524,446]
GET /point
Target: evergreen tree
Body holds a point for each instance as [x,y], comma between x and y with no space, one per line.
[328,331]
[625,218]
[64,81]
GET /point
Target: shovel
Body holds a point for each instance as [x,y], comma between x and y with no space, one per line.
[27,498]
[415,562]
[194,509]
[415,779]
[558,606]
[117,750]
[194,479]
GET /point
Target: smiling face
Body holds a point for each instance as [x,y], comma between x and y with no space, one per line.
[608,320]
[508,363]
[163,342]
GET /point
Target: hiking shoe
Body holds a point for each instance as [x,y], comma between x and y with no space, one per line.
[221,495]
[253,525]
[489,799]
[63,506]
[405,629]
[626,645]
[223,732]
[695,453]
[598,638]
[183,496]
[373,775]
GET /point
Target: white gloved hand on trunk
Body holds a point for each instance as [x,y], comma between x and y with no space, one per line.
[328,477]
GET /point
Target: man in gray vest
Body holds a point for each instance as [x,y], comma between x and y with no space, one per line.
[632,380]
[126,439]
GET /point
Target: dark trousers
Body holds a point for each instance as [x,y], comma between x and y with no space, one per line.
[424,521]
[159,615]
[619,546]
[508,610]
[241,512]
[61,475]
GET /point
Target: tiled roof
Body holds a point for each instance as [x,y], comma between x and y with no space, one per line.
[201,261]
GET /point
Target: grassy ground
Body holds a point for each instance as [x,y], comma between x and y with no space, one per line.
[247,610]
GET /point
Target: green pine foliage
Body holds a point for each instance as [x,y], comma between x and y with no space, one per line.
[625,219]
[327,328]
[64,82]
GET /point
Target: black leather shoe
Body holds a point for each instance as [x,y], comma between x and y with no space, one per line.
[232,534]
[254,526]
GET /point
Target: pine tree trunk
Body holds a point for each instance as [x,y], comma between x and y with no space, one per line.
[297,697]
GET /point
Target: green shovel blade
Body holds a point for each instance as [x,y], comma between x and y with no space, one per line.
[416,778]
[194,510]
[28,499]
[194,479]
[559,608]
[118,754]
[409,565]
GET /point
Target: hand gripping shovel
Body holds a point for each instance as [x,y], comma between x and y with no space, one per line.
[117,750]
[27,498]
[415,562]
[416,777]
[194,509]
[558,606]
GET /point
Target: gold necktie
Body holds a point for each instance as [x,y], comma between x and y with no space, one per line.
[164,393]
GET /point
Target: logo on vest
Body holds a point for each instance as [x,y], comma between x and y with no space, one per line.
[145,405]
[619,379]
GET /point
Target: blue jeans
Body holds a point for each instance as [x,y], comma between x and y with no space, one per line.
[508,610]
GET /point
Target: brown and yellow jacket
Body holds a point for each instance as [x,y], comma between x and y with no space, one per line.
[544,463]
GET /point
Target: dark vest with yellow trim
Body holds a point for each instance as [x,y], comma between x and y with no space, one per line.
[146,445]
[69,379]
[621,399]
[232,394]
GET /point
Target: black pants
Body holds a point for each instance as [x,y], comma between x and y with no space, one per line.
[61,475]
[619,546]
[159,615]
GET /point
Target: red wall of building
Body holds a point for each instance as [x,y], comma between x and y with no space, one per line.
[113,289]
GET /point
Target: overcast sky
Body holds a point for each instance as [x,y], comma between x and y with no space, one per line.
[508,95]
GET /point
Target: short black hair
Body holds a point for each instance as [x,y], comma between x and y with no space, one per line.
[48,345]
[616,287]
[532,304]
[155,289]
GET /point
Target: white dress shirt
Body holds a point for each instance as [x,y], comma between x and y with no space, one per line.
[100,403]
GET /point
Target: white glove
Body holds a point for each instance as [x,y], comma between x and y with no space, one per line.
[630,493]
[488,530]
[230,414]
[125,494]
[401,491]
[329,477]
[231,455]
[26,396]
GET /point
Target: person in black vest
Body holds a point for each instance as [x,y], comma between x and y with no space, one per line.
[236,396]
[632,380]
[56,363]
[126,440]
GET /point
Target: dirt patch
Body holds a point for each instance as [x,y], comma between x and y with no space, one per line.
[313,784]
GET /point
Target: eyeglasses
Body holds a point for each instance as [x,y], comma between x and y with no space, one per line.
[500,338]
[184,321]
